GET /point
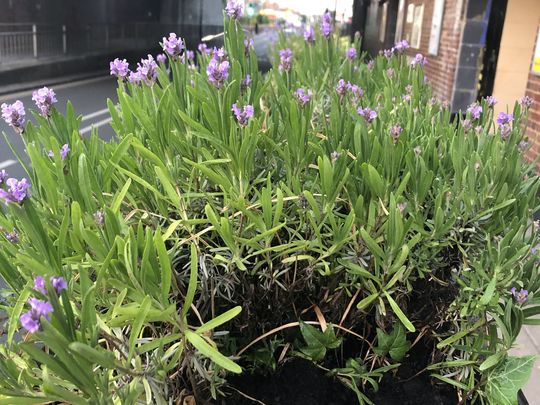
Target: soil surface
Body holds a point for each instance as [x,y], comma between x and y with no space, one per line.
[300,382]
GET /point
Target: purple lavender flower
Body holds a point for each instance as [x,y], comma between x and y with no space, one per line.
[99,218]
[475,110]
[203,49]
[13,114]
[395,132]
[135,78]
[119,68]
[401,207]
[419,59]
[302,96]
[326,24]
[390,72]
[466,124]
[3,176]
[245,83]
[371,64]
[506,129]
[523,146]
[13,236]
[39,285]
[356,91]
[30,320]
[147,70]
[285,60]
[368,114]
[217,70]
[504,118]
[64,150]
[388,53]
[219,54]
[29,323]
[243,115]
[50,154]
[161,58]
[234,9]
[173,45]
[401,46]
[309,35]
[491,101]
[520,296]
[334,156]
[526,101]
[341,87]
[17,191]
[248,45]
[351,53]
[190,55]
[44,99]
[59,284]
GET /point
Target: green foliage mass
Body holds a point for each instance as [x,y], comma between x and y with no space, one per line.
[188,236]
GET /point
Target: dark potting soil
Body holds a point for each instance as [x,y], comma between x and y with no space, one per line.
[300,382]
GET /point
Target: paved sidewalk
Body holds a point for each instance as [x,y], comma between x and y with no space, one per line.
[528,343]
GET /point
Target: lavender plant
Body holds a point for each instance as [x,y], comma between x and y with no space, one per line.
[331,197]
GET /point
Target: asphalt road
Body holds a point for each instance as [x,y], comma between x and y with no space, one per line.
[89,99]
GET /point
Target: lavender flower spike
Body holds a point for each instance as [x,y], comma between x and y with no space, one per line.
[3,176]
[326,24]
[39,285]
[242,115]
[491,101]
[44,99]
[147,70]
[351,53]
[64,150]
[13,114]
[59,284]
[217,71]
[13,236]
[119,68]
[17,191]
[173,45]
[303,96]
[368,114]
[234,9]
[285,60]
[419,59]
[520,296]
[161,58]
[30,320]
[526,101]
[309,35]
[475,111]
[504,118]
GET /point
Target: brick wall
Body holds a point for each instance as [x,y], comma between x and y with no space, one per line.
[441,69]
[533,124]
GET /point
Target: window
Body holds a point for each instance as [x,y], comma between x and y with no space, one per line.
[382,26]
[436,26]
[416,34]
[399,22]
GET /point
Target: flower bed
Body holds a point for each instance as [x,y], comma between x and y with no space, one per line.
[328,210]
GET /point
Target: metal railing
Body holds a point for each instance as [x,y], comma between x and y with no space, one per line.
[20,42]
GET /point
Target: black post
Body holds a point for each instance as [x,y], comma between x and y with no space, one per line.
[358,23]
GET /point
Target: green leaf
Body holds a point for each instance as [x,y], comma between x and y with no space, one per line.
[395,343]
[504,382]
[212,353]
[193,275]
[16,314]
[368,300]
[219,320]
[115,206]
[317,341]
[137,325]
[399,313]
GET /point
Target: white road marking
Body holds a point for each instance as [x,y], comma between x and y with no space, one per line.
[7,163]
[95,114]
[56,87]
[96,125]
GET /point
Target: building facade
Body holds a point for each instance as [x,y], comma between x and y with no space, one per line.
[475,48]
